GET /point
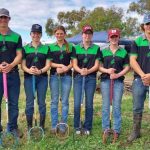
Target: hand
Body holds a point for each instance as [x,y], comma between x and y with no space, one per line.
[146,79]
[114,76]
[6,67]
[111,70]
[32,70]
[84,71]
[64,68]
[59,70]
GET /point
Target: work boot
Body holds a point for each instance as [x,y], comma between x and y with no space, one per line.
[106,134]
[115,137]
[17,133]
[29,122]
[137,118]
[42,122]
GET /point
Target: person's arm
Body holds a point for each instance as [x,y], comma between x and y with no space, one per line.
[25,69]
[121,73]
[105,70]
[94,68]
[8,67]
[75,65]
[134,64]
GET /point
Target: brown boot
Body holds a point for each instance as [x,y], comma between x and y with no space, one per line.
[106,134]
[115,137]
[137,118]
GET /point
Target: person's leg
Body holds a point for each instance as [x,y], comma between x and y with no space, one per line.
[42,83]
[105,90]
[13,96]
[1,95]
[77,89]
[54,88]
[117,98]
[90,86]
[29,110]
[66,82]
[139,96]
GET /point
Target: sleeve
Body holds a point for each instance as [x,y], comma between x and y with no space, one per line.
[23,53]
[99,54]
[73,54]
[126,60]
[19,44]
[50,54]
[134,49]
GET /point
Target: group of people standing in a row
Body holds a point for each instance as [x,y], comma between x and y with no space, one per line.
[86,59]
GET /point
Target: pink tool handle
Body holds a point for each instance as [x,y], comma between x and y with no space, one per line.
[5,85]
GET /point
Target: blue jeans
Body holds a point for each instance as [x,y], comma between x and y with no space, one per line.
[41,83]
[89,89]
[13,85]
[116,104]
[60,86]
[139,95]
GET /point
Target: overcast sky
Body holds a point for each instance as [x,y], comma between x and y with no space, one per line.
[24,13]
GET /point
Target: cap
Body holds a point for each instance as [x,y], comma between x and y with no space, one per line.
[4,12]
[36,28]
[87,28]
[146,18]
[112,32]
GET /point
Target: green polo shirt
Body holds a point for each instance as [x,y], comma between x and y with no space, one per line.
[36,56]
[141,49]
[9,45]
[118,61]
[86,58]
[60,56]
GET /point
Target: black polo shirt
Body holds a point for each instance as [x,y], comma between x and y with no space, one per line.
[9,45]
[60,56]
[36,56]
[86,58]
[118,61]
[141,49]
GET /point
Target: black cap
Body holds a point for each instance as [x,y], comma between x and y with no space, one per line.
[36,28]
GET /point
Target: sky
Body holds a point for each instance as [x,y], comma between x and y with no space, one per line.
[24,13]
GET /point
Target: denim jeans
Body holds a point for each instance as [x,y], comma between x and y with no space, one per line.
[89,89]
[60,87]
[41,83]
[139,95]
[116,104]
[13,86]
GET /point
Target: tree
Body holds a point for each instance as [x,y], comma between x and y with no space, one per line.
[50,25]
[99,18]
[131,27]
[141,6]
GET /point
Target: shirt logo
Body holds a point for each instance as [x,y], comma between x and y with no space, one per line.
[85,60]
[112,62]
[148,54]
[3,48]
[35,59]
[61,56]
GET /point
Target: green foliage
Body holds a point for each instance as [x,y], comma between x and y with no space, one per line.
[141,6]
[100,19]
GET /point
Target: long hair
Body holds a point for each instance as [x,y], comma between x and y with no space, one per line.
[66,43]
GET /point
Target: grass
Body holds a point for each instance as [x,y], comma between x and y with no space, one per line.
[92,142]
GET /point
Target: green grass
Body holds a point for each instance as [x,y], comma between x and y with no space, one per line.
[92,142]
